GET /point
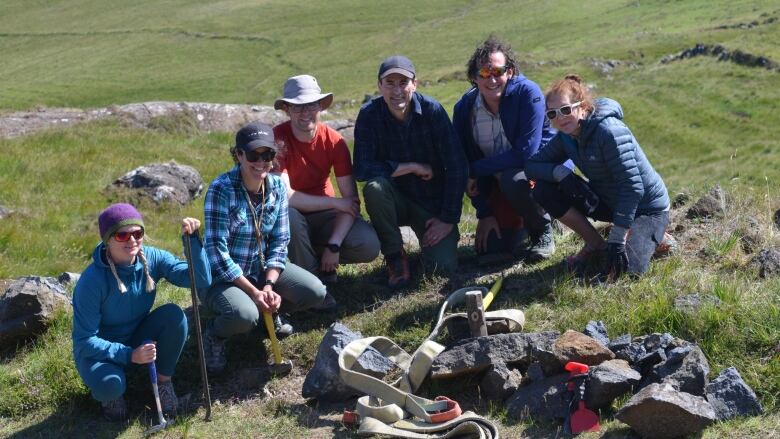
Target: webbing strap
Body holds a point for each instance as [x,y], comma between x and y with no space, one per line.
[467,425]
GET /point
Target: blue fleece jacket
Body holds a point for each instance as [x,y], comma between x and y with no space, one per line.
[104,319]
[611,159]
[521,111]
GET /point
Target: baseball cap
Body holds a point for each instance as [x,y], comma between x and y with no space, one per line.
[255,135]
[397,64]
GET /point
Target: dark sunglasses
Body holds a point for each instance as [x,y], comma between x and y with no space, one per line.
[254,156]
[125,236]
[562,111]
[300,108]
[495,71]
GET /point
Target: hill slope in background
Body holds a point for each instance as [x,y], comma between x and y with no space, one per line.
[700,121]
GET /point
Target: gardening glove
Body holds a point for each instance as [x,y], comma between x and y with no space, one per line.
[617,259]
[581,192]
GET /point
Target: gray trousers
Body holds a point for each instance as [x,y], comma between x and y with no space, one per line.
[236,313]
[309,234]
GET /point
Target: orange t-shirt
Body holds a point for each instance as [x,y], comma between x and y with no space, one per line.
[308,164]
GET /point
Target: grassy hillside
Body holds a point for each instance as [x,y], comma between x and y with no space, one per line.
[700,121]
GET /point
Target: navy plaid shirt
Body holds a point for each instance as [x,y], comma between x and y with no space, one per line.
[230,240]
[425,136]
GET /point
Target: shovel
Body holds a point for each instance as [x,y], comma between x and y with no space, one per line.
[581,419]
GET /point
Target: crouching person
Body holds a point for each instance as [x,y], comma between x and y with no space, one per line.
[622,187]
[247,232]
[112,303]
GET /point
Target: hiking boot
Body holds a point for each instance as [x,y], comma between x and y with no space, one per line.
[115,410]
[214,351]
[282,326]
[542,245]
[168,399]
[397,270]
[328,304]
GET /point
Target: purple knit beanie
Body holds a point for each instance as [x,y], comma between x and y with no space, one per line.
[116,216]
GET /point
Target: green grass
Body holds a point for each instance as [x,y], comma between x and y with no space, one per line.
[700,121]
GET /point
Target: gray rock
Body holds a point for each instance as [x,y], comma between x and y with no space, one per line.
[632,353]
[687,375]
[768,262]
[500,382]
[4,211]
[27,305]
[542,352]
[545,399]
[619,343]
[535,372]
[661,412]
[575,346]
[164,182]
[776,219]
[657,341]
[608,381]
[68,278]
[710,205]
[691,303]
[475,355]
[680,199]
[676,355]
[651,359]
[597,331]
[323,381]
[731,397]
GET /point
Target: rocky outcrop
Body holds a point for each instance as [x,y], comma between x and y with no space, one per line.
[163,182]
[27,305]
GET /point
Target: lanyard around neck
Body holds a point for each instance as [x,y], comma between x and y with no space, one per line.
[256,222]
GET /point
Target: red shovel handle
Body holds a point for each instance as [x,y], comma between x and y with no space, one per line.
[575,368]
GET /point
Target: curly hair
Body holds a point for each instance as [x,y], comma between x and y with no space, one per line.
[571,85]
[482,54]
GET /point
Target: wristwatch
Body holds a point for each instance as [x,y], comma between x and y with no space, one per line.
[269,282]
[334,248]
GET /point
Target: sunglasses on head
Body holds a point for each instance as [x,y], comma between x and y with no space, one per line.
[495,71]
[254,156]
[562,111]
[125,236]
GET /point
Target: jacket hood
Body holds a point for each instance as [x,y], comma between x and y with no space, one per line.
[603,108]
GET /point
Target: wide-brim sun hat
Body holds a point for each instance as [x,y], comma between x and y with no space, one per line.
[301,90]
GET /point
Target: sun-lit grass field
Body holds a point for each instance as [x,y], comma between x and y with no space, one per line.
[701,121]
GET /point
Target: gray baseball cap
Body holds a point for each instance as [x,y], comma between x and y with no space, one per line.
[303,89]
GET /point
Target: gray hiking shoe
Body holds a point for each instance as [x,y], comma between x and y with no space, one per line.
[282,326]
[214,351]
[115,410]
[168,399]
[542,245]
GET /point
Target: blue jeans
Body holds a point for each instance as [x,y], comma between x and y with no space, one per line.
[167,325]
[647,230]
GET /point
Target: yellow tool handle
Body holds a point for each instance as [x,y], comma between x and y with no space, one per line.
[492,293]
[269,327]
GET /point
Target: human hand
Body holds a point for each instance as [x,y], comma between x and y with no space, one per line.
[146,353]
[267,299]
[435,231]
[579,190]
[423,171]
[329,261]
[347,205]
[189,225]
[484,227]
[617,260]
[471,187]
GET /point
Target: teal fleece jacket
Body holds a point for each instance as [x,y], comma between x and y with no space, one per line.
[104,319]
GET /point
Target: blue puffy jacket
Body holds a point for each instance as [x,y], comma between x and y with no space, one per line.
[610,158]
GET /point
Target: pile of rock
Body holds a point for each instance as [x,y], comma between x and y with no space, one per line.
[26,306]
[668,377]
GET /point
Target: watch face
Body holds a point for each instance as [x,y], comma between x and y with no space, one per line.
[334,248]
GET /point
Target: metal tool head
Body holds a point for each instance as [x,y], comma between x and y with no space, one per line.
[279,369]
[156,428]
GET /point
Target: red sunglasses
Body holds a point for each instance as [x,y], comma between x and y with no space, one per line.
[125,236]
[495,71]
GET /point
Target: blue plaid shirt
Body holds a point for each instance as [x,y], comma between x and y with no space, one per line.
[230,240]
[425,136]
